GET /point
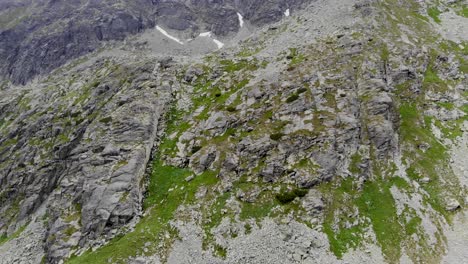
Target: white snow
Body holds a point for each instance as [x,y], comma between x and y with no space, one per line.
[209,35]
[241,19]
[205,34]
[164,32]
[287,12]
[218,43]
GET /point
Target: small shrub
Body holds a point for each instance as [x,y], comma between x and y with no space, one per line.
[301,90]
[292,98]
[106,120]
[287,197]
[248,228]
[220,251]
[231,109]
[195,149]
[95,84]
[3,239]
[70,231]
[385,53]
[276,136]
[300,192]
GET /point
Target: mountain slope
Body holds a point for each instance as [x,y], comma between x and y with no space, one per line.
[39,36]
[335,135]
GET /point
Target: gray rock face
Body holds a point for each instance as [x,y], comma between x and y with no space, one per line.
[52,32]
[48,33]
[87,160]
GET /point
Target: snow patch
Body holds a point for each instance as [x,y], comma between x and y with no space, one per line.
[164,32]
[218,43]
[287,13]
[209,35]
[241,19]
[205,34]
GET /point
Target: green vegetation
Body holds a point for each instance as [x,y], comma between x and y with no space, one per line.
[286,197]
[292,98]
[377,203]
[352,210]
[385,53]
[231,66]
[464,11]
[301,90]
[69,231]
[231,109]
[341,238]
[247,52]
[220,251]
[448,106]
[356,159]
[295,57]
[431,77]
[166,192]
[276,136]
[260,209]
[17,233]
[434,13]
[430,163]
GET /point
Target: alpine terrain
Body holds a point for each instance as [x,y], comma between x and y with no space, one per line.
[233,131]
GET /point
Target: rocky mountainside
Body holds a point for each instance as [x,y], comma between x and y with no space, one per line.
[39,36]
[238,131]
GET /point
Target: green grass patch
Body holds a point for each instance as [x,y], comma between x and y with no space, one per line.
[295,57]
[434,13]
[384,53]
[235,66]
[446,105]
[376,202]
[431,77]
[338,209]
[464,11]
[376,209]
[356,159]
[16,234]
[257,210]
[430,163]
[220,251]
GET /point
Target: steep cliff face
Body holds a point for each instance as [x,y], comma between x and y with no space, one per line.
[43,35]
[335,135]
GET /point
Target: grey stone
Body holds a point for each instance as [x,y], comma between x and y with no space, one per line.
[452,204]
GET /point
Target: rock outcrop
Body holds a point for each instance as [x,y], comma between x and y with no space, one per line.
[82,144]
